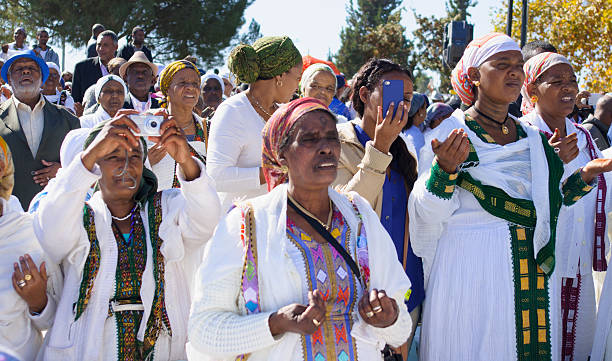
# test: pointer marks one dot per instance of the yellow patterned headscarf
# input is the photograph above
(7, 179)
(169, 72)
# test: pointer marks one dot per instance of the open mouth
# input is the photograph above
(328, 165)
(567, 99)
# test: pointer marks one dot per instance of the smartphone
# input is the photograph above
(393, 92)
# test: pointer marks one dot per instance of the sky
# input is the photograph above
(315, 27)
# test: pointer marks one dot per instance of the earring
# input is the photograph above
(279, 83)
(534, 99)
(476, 83)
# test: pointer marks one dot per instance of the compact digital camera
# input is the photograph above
(148, 124)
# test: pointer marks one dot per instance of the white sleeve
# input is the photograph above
(216, 328)
(226, 140)
(58, 222)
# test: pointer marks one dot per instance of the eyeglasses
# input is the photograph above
(327, 89)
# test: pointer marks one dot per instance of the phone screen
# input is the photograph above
(393, 92)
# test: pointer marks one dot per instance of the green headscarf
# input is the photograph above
(266, 58)
(148, 180)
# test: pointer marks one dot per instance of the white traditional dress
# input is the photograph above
(487, 257)
(20, 331)
(254, 265)
(580, 249)
(95, 318)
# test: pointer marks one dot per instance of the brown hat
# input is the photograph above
(138, 57)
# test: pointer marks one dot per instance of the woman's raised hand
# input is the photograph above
(594, 168)
(298, 318)
(30, 283)
(377, 309)
(118, 132)
(453, 151)
(389, 127)
(565, 147)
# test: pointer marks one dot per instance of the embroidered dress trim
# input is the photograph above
(201, 136)
(484, 136)
(92, 263)
(530, 299)
(570, 298)
(440, 183)
(574, 188)
(328, 272)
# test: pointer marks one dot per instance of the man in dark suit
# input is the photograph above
(140, 75)
(91, 44)
(33, 128)
(88, 71)
(128, 50)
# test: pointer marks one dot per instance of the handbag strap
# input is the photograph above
(328, 237)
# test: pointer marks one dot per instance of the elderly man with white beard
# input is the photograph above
(32, 127)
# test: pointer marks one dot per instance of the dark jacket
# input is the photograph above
(58, 122)
(127, 50)
(599, 132)
(86, 73)
(91, 48)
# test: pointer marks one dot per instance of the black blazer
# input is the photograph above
(128, 103)
(86, 73)
(128, 50)
(58, 122)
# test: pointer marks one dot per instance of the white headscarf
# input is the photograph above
(231, 78)
(207, 76)
(52, 65)
(105, 79)
(310, 72)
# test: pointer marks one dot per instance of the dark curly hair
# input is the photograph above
(369, 76)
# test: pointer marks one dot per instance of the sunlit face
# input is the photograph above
(42, 38)
(106, 47)
(501, 77)
(50, 86)
(312, 153)
(321, 86)
(556, 90)
(228, 87)
(25, 77)
(115, 185)
(112, 97)
(20, 37)
(184, 89)
(211, 93)
(139, 37)
(290, 81)
(139, 77)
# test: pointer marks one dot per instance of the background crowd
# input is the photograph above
(279, 214)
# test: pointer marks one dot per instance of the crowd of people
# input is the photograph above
(276, 213)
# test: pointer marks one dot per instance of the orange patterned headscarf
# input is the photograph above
(476, 53)
(276, 132)
(7, 179)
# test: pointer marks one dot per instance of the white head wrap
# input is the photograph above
(52, 65)
(105, 79)
(73, 145)
(207, 76)
(310, 72)
(230, 77)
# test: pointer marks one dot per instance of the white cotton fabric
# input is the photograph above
(32, 122)
(234, 150)
(19, 330)
(475, 55)
(105, 79)
(469, 311)
(189, 217)
(165, 168)
(207, 76)
(93, 119)
(219, 328)
(69, 104)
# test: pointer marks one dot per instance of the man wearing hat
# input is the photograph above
(32, 127)
(18, 45)
(139, 75)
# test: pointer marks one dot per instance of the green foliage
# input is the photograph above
(175, 28)
(429, 39)
(373, 30)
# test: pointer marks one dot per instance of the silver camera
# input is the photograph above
(148, 124)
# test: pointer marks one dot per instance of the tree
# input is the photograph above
(579, 29)
(429, 39)
(253, 33)
(8, 22)
(373, 30)
(175, 28)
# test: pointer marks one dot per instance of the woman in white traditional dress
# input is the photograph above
(549, 94)
(130, 252)
(28, 293)
(110, 92)
(180, 84)
(488, 258)
(291, 275)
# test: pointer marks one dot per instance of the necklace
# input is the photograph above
(259, 105)
(329, 216)
(503, 126)
(127, 216)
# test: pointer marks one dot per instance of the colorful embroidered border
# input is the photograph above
(440, 183)
(574, 188)
(92, 264)
(128, 347)
(361, 249)
(486, 137)
(599, 246)
(158, 317)
(570, 297)
(530, 299)
(250, 276)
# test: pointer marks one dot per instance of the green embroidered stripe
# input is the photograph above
(499, 203)
(574, 188)
(530, 299)
(440, 183)
(484, 136)
(92, 264)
